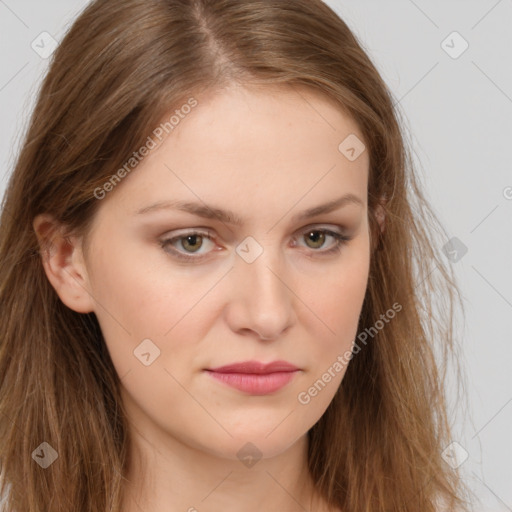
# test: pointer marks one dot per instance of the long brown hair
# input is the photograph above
(121, 67)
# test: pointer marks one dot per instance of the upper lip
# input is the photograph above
(256, 367)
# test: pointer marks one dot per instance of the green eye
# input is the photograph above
(193, 241)
(318, 241)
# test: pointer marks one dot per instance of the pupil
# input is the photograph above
(192, 237)
(313, 236)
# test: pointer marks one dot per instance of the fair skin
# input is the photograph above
(265, 155)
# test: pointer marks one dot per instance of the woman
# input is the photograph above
(216, 290)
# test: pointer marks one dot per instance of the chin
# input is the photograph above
(252, 444)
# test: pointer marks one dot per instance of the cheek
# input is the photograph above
(338, 300)
(139, 300)
(137, 291)
(339, 305)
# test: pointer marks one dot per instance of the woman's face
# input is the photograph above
(178, 293)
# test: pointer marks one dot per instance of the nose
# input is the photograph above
(262, 301)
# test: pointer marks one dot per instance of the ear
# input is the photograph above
(380, 214)
(63, 262)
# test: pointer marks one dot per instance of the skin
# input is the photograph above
(265, 154)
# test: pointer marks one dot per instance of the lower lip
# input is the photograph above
(255, 384)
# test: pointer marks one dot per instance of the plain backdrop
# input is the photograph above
(449, 66)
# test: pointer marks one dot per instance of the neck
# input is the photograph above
(171, 476)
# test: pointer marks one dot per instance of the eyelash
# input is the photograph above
(340, 241)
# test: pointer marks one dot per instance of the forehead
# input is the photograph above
(279, 117)
(252, 146)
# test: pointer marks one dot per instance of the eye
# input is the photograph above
(191, 242)
(318, 237)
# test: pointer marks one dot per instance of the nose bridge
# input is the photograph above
(264, 273)
(265, 294)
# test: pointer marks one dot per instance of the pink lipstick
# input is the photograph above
(254, 377)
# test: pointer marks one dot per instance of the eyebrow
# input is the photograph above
(228, 217)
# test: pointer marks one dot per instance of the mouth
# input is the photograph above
(255, 378)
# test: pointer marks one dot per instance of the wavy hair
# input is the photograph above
(123, 65)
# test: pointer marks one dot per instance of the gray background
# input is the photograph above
(459, 113)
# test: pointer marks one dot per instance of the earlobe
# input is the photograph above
(63, 264)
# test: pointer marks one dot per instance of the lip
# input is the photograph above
(255, 367)
(254, 377)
